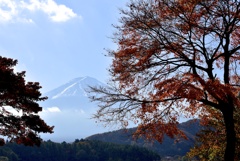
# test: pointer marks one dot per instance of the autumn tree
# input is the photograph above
(211, 141)
(174, 57)
(19, 119)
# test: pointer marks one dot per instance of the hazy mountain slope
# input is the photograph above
(69, 110)
(169, 147)
(72, 95)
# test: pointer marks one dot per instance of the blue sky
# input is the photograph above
(55, 41)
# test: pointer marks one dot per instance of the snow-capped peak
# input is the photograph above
(76, 87)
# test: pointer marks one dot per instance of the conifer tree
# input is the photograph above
(24, 125)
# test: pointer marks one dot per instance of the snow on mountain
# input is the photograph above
(69, 109)
(76, 87)
(72, 95)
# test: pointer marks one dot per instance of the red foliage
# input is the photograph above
(174, 57)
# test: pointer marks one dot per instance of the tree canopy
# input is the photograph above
(174, 57)
(80, 150)
(211, 142)
(19, 119)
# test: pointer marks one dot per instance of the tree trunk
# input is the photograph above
(230, 132)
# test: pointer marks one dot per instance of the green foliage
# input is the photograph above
(80, 150)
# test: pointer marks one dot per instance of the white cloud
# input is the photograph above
(57, 13)
(80, 111)
(15, 10)
(13, 111)
(52, 109)
(8, 9)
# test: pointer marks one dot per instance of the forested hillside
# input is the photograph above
(169, 146)
(80, 150)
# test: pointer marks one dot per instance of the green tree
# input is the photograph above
(23, 97)
(174, 57)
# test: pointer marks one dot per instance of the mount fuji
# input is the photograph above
(72, 95)
(69, 109)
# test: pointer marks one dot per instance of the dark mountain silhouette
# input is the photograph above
(169, 147)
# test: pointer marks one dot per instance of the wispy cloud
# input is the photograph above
(15, 10)
(52, 109)
(8, 10)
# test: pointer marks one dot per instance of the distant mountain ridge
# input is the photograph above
(169, 147)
